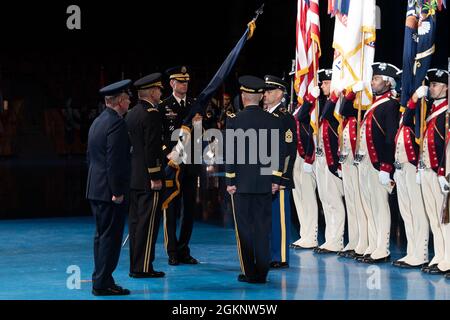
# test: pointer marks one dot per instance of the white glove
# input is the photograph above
(357, 87)
(340, 87)
(421, 91)
(339, 172)
(444, 184)
(197, 124)
(314, 91)
(307, 168)
(418, 178)
(384, 178)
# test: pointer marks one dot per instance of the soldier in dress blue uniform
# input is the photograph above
(375, 158)
(355, 208)
(250, 188)
(410, 201)
(281, 204)
(108, 183)
(145, 130)
(173, 111)
(305, 174)
(430, 168)
(330, 185)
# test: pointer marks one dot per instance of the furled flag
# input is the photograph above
(223, 71)
(409, 50)
(308, 37)
(355, 19)
(426, 31)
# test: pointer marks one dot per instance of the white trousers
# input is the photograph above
(356, 213)
(412, 210)
(331, 192)
(305, 204)
(376, 199)
(433, 199)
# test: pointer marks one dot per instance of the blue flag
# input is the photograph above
(409, 51)
(223, 72)
(425, 48)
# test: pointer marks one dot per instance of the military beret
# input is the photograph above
(325, 74)
(273, 83)
(178, 73)
(385, 69)
(149, 81)
(252, 84)
(116, 88)
(438, 75)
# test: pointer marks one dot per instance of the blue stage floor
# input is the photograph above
(35, 255)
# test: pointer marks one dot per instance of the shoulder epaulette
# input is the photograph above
(152, 109)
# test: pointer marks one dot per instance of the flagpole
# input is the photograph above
(422, 131)
(360, 95)
(316, 105)
(292, 75)
(446, 205)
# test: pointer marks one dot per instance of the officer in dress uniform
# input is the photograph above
(375, 158)
(145, 130)
(410, 202)
(281, 204)
(251, 183)
(356, 216)
(445, 189)
(430, 174)
(108, 182)
(304, 175)
(329, 183)
(173, 110)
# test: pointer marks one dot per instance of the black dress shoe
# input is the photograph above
(435, 270)
(244, 278)
(189, 260)
(360, 258)
(323, 250)
(151, 274)
(114, 290)
(173, 261)
(403, 264)
(427, 268)
(278, 265)
(380, 260)
(297, 247)
(346, 254)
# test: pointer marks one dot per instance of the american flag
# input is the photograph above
(308, 31)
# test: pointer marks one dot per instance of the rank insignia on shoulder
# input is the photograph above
(152, 109)
(288, 136)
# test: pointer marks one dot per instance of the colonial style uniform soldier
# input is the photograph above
(410, 201)
(145, 130)
(173, 110)
(108, 182)
(329, 183)
(375, 157)
(281, 204)
(355, 208)
(304, 175)
(430, 173)
(250, 187)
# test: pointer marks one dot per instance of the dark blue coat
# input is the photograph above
(247, 176)
(108, 157)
